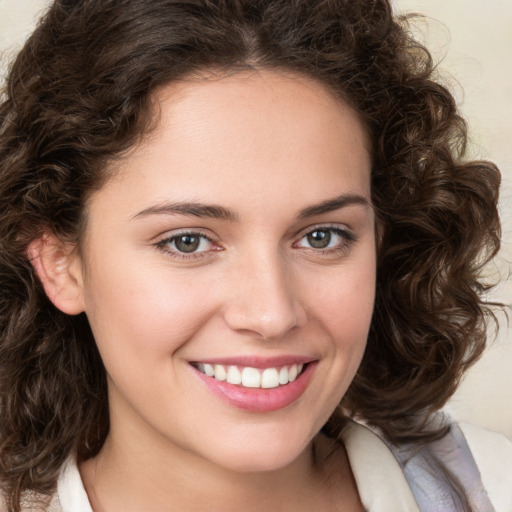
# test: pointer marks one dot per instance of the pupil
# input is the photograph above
(187, 243)
(319, 239)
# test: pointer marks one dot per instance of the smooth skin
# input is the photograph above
(241, 226)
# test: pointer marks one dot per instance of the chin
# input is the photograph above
(266, 454)
(260, 463)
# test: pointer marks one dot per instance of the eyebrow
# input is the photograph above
(220, 212)
(190, 209)
(334, 204)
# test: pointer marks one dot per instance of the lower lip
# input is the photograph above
(259, 399)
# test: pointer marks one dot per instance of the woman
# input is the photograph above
(227, 228)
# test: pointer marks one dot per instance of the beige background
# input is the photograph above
(473, 41)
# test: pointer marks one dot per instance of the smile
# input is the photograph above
(249, 377)
(255, 385)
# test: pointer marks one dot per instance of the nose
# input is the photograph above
(263, 299)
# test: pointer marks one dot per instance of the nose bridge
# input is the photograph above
(264, 299)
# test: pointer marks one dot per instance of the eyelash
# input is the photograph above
(346, 240)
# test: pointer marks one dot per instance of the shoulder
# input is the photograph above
(493, 455)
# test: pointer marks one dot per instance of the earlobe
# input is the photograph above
(58, 267)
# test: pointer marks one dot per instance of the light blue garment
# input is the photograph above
(431, 469)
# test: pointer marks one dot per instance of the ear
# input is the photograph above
(59, 268)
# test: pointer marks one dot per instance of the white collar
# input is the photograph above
(380, 481)
(70, 489)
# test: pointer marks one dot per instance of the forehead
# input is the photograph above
(252, 134)
(265, 102)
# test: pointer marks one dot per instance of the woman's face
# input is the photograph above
(238, 239)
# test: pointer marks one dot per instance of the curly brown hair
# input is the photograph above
(79, 95)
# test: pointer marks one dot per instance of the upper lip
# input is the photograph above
(257, 361)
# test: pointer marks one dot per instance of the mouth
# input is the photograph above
(250, 377)
(257, 386)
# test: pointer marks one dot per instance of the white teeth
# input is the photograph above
(220, 372)
(292, 373)
(251, 378)
(270, 378)
(234, 376)
(283, 375)
(208, 370)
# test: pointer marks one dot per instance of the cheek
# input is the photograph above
(344, 303)
(343, 306)
(148, 312)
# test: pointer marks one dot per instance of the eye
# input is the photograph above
(186, 244)
(323, 238)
